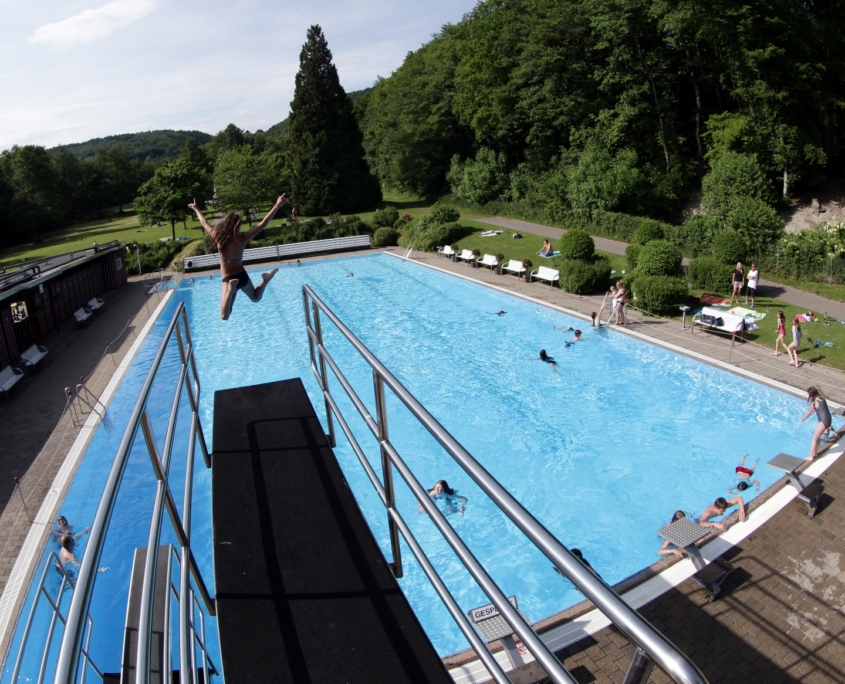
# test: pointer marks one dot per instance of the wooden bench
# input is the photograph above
(552, 275)
(280, 252)
(9, 377)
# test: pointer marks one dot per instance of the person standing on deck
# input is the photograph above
(230, 243)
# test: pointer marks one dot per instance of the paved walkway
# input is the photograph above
(791, 295)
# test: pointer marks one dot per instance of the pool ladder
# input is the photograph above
(651, 646)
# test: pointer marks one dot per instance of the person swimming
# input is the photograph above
(501, 312)
(68, 540)
(743, 477)
(455, 503)
(548, 359)
(575, 339)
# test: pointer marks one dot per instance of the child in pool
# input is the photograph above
(743, 477)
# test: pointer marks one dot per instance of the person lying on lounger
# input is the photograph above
(230, 243)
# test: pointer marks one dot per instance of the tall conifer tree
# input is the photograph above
(325, 152)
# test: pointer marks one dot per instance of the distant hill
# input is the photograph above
(152, 145)
(281, 128)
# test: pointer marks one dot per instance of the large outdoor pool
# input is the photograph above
(602, 451)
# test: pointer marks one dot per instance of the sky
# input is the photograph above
(72, 70)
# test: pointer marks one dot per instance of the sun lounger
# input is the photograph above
(552, 275)
(467, 256)
(33, 355)
(95, 303)
(446, 251)
(82, 314)
(9, 377)
(488, 260)
(515, 266)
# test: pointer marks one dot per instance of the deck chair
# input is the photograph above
(9, 377)
(467, 256)
(33, 355)
(446, 251)
(488, 260)
(515, 266)
(95, 304)
(82, 314)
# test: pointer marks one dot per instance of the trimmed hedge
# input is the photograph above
(632, 253)
(386, 236)
(710, 275)
(729, 247)
(577, 244)
(386, 217)
(697, 234)
(153, 255)
(659, 258)
(432, 236)
(582, 277)
(659, 294)
(649, 231)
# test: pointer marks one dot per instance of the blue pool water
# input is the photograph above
(601, 452)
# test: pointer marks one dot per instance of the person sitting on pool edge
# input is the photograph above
(442, 490)
(743, 477)
(719, 507)
(664, 550)
(230, 243)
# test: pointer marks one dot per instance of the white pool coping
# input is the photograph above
(594, 621)
(11, 599)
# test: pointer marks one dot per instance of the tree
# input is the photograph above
(733, 177)
(325, 154)
(34, 182)
(165, 197)
(481, 179)
(244, 179)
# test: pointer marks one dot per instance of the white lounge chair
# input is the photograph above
(515, 266)
(9, 377)
(33, 355)
(82, 314)
(446, 251)
(488, 260)
(95, 303)
(552, 275)
(466, 255)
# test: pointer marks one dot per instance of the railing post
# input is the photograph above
(387, 470)
(640, 668)
(324, 380)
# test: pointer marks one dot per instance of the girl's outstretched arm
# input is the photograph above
(261, 225)
(200, 216)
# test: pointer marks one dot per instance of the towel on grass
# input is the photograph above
(747, 313)
(549, 256)
(710, 300)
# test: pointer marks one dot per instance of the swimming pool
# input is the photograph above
(601, 452)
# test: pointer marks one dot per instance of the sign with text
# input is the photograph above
(488, 611)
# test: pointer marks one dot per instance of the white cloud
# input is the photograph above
(92, 23)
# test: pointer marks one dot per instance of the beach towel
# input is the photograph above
(490, 233)
(549, 256)
(747, 313)
(710, 300)
(819, 343)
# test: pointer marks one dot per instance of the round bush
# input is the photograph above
(386, 236)
(386, 217)
(710, 275)
(441, 213)
(659, 258)
(577, 244)
(697, 234)
(436, 236)
(659, 294)
(583, 277)
(632, 253)
(729, 247)
(649, 231)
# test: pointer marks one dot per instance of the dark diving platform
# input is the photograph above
(303, 592)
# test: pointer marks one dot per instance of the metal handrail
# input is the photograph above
(650, 642)
(71, 647)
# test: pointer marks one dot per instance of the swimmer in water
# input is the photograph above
(548, 359)
(499, 313)
(664, 550)
(443, 491)
(563, 328)
(230, 243)
(743, 477)
(575, 339)
(351, 275)
(68, 540)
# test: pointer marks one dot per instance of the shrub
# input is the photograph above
(648, 231)
(399, 224)
(577, 244)
(729, 247)
(441, 213)
(659, 293)
(386, 236)
(194, 248)
(697, 233)
(632, 253)
(733, 176)
(659, 258)
(709, 274)
(527, 263)
(310, 230)
(435, 236)
(582, 277)
(478, 180)
(756, 221)
(153, 255)
(386, 217)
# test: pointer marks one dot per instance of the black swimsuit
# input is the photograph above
(242, 278)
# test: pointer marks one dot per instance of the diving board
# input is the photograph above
(303, 592)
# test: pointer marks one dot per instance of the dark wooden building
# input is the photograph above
(38, 296)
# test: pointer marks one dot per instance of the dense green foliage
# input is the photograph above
(632, 254)
(659, 294)
(245, 179)
(730, 247)
(659, 258)
(582, 277)
(589, 106)
(153, 256)
(146, 146)
(710, 275)
(386, 236)
(281, 128)
(324, 152)
(649, 230)
(817, 254)
(577, 244)
(386, 217)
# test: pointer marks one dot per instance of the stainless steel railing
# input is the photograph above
(652, 646)
(71, 648)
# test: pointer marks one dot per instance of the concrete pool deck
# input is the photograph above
(781, 620)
